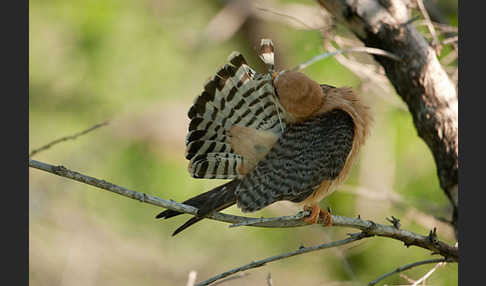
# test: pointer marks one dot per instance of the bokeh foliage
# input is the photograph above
(139, 64)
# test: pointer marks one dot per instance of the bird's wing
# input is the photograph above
(305, 155)
(236, 102)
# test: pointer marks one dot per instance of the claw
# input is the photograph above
(314, 215)
(317, 213)
(326, 216)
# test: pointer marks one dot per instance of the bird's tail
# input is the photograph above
(216, 199)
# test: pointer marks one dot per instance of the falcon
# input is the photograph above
(276, 136)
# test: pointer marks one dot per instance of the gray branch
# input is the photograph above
(254, 264)
(371, 51)
(66, 138)
(429, 242)
(406, 267)
(418, 78)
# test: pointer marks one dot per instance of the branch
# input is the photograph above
(254, 264)
(370, 228)
(231, 278)
(427, 275)
(418, 78)
(430, 26)
(269, 279)
(406, 267)
(371, 51)
(66, 138)
(192, 278)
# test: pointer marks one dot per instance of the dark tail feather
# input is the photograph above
(187, 224)
(216, 199)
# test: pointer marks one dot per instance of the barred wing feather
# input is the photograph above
(236, 95)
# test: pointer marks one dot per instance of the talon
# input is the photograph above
(326, 216)
(314, 215)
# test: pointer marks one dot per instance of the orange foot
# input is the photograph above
(317, 213)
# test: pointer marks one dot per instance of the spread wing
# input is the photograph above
(306, 154)
(235, 96)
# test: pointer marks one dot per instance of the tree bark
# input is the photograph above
(418, 78)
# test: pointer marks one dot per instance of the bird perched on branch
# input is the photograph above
(277, 136)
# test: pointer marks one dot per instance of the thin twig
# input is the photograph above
(241, 275)
(66, 138)
(408, 238)
(367, 50)
(368, 73)
(288, 16)
(297, 16)
(435, 41)
(191, 279)
(342, 256)
(449, 59)
(427, 275)
(409, 280)
(269, 279)
(450, 40)
(406, 267)
(254, 264)
(444, 28)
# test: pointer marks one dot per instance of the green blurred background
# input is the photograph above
(139, 64)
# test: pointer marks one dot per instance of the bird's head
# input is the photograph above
(300, 96)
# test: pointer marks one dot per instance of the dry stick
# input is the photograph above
(367, 50)
(450, 40)
(269, 279)
(254, 264)
(427, 275)
(409, 280)
(422, 9)
(288, 16)
(444, 28)
(191, 278)
(71, 137)
(299, 21)
(406, 267)
(429, 242)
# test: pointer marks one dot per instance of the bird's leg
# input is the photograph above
(326, 215)
(314, 215)
(317, 213)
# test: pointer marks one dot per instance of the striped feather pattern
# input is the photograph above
(295, 167)
(236, 95)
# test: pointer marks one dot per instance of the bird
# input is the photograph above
(277, 135)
